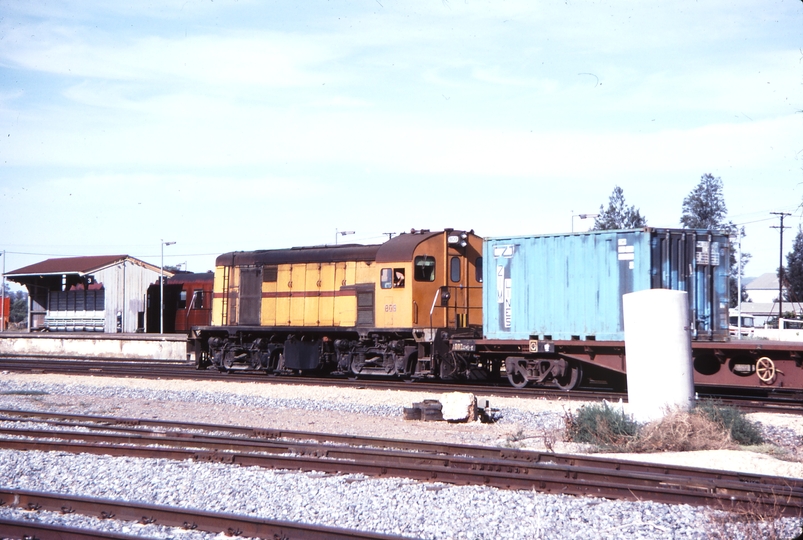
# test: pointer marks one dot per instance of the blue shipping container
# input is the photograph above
(570, 286)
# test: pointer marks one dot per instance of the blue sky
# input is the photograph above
(235, 124)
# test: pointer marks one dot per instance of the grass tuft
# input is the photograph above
(732, 420)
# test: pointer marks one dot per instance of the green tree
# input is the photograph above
(618, 215)
(793, 273)
(19, 307)
(704, 208)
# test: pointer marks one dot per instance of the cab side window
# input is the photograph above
(398, 278)
(478, 270)
(392, 278)
(424, 268)
(454, 269)
(386, 278)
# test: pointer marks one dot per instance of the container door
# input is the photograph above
(696, 262)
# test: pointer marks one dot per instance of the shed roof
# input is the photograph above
(768, 281)
(767, 308)
(76, 265)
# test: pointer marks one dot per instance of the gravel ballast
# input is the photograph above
(384, 505)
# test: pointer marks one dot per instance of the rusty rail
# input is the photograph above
(456, 464)
(789, 401)
(170, 516)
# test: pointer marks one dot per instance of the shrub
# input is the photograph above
(733, 421)
(601, 425)
(680, 431)
(710, 426)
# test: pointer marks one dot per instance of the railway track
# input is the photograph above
(503, 468)
(147, 514)
(781, 402)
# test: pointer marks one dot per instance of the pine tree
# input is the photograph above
(618, 215)
(793, 273)
(704, 208)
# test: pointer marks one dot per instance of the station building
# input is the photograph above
(104, 293)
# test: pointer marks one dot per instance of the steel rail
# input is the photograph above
(785, 402)
(170, 516)
(30, 530)
(279, 441)
(184, 432)
(547, 476)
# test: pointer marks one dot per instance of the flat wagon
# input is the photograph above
(553, 307)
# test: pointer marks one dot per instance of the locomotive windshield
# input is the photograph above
(424, 268)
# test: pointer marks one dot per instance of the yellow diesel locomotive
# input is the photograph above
(387, 309)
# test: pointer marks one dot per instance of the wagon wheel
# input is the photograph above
(765, 369)
(355, 368)
(228, 362)
(517, 374)
(571, 377)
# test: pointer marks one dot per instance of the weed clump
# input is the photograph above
(680, 431)
(708, 426)
(600, 425)
(733, 421)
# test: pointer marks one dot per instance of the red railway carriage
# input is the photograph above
(187, 303)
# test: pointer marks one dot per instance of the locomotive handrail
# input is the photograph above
(432, 309)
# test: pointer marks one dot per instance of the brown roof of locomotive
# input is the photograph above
(317, 254)
(397, 249)
(402, 247)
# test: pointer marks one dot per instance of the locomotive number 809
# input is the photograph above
(386, 309)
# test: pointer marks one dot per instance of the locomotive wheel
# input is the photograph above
(449, 366)
(765, 369)
(201, 360)
(517, 375)
(228, 362)
(571, 377)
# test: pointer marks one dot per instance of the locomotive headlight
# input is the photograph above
(457, 239)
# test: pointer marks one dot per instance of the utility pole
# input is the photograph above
(781, 215)
(3, 295)
(162, 287)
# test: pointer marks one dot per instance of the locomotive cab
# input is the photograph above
(430, 280)
(431, 283)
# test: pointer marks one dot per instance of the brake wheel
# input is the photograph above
(765, 369)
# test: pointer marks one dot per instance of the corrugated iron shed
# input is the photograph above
(103, 293)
